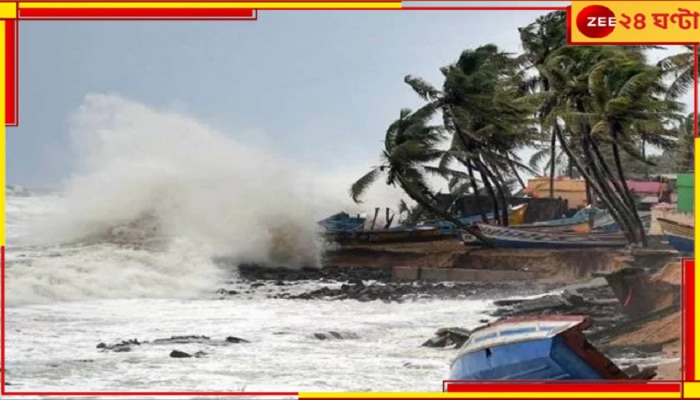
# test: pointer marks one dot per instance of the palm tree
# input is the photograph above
(681, 68)
(685, 148)
(540, 40)
(409, 144)
(568, 71)
(627, 107)
(484, 110)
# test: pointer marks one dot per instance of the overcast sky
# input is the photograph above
(319, 87)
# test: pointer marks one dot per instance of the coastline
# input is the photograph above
(566, 282)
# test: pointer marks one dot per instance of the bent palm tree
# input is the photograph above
(681, 68)
(409, 144)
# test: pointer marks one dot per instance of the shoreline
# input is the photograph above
(649, 340)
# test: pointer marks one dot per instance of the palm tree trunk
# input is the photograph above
(498, 183)
(553, 164)
(607, 195)
(620, 186)
(628, 195)
(584, 173)
(517, 175)
(477, 196)
(489, 189)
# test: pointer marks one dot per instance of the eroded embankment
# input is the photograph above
(452, 261)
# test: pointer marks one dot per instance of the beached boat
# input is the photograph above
(582, 216)
(533, 239)
(533, 348)
(343, 222)
(680, 236)
(516, 216)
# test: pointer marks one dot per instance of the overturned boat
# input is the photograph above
(535, 348)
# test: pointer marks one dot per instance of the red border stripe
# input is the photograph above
(689, 320)
(11, 47)
(134, 13)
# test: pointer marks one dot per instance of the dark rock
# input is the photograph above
(179, 354)
(198, 354)
(182, 339)
(119, 347)
(233, 339)
(334, 335)
(445, 337)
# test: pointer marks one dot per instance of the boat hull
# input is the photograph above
(551, 348)
(511, 238)
(679, 236)
(543, 359)
(680, 243)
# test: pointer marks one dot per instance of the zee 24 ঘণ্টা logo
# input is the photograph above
(597, 22)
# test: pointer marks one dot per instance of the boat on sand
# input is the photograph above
(535, 348)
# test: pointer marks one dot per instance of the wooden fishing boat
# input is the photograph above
(581, 227)
(533, 239)
(535, 348)
(680, 236)
(516, 216)
(342, 222)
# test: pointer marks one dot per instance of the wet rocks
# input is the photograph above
(183, 339)
(398, 292)
(445, 337)
(182, 354)
(334, 335)
(233, 339)
(127, 345)
(119, 347)
(256, 272)
(179, 354)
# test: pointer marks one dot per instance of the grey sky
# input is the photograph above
(319, 87)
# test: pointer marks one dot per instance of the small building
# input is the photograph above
(686, 193)
(571, 190)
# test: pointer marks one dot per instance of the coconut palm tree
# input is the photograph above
(626, 107)
(483, 108)
(685, 148)
(540, 40)
(681, 68)
(409, 144)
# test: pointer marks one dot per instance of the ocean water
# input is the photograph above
(65, 299)
(123, 249)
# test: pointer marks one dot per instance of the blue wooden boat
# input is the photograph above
(680, 236)
(533, 348)
(449, 229)
(342, 222)
(512, 238)
(606, 223)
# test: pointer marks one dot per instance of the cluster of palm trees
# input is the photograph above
(592, 106)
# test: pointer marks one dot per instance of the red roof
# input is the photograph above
(645, 187)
